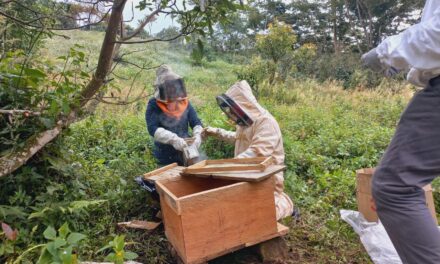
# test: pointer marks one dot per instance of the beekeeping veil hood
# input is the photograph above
(240, 104)
(169, 86)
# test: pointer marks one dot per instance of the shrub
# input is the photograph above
(256, 73)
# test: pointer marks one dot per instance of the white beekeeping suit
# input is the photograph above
(416, 49)
(261, 139)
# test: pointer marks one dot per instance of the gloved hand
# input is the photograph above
(167, 137)
(371, 60)
(220, 133)
(197, 134)
(179, 144)
(210, 131)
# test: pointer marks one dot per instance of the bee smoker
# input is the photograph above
(191, 153)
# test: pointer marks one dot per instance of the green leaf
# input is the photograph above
(66, 107)
(104, 248)
(100, 161)
(130, 255)
(110, 257)
(14, 211)
(84, 74)
(82, 204)
(45, 257)
(64, 230)
(50, 233)
(59, 242)
(48, 123)
(34, 73)
(119, 243)
(40, 214)
(66, 255)
(75, 238)
(51, 248)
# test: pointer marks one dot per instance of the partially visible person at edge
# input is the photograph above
(257, 135)
(412, 160)
(169, 115)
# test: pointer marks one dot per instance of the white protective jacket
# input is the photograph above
(416, 49)
(262, 138)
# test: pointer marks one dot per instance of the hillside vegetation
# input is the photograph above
(328, 131)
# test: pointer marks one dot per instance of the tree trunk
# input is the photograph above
(335, 31)
(9, 163)
(106, 55)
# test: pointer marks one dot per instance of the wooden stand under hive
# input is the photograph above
(209, 216)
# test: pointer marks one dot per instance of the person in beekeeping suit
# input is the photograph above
(257, 135)
(412, 159)
(169, 116)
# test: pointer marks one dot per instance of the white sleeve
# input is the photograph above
(418, 46)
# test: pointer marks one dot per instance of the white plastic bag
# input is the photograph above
(374, 238)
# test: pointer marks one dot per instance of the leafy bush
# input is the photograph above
(277, 43)
(35, 87)
(197, 53)
(119, 253)
(256, 73)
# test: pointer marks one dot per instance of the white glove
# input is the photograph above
(197, 135)
(167, 137)
(220, 133)
(371, 60)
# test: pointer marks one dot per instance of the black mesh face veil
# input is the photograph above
(233, 110)
(172, 90)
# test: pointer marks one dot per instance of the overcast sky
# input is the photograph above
(160, 23)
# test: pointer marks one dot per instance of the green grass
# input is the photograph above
(328, 134)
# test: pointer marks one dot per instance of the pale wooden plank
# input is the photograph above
(167, 197)
(281, 231)
(168, 171)
(217, 221)
(248, 176)
(247, 164)
(236, 160)
(160, 170)
(173, 227)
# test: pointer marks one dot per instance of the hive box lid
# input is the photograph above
(247, 176)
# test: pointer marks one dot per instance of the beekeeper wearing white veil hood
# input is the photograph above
(257, 135)
(412, 159)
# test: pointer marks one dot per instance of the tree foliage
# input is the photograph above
(277, 43)
(66, 97)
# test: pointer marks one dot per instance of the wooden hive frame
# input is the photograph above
(223, 165)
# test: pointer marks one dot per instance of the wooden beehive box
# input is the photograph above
(365, 199)
(205, 218)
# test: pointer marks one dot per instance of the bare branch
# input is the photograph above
(29, 23)
(140, 97)
(118, 76)
(138, 66)
(21, 112)
(155, 39)
(142, 24)
(10, 163)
